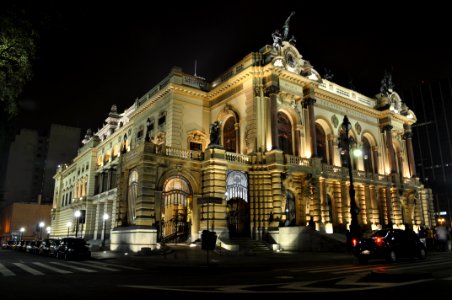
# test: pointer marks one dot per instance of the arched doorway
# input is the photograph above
(238, 217)
(238, 208)
(176, 213)
(290, 210)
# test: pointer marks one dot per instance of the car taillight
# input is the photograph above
(354, 242)
(379, 241)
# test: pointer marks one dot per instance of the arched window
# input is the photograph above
(321, 142)
(132, 196)
(284, 133)
(367, 156)
(229, 135)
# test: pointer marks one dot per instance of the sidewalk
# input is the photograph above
(183, 256)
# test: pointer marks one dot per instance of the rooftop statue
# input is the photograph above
(278, 38)
(387, 85)
(286, 27)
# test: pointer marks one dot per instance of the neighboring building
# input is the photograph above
(253, 153)
(27, 216)
(25, 166)
(33, 159)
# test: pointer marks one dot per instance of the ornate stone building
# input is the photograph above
(162, 172)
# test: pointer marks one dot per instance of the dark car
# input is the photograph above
(73, 248)
(48, 247)
(389, 244)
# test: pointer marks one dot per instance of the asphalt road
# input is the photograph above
(185, 272)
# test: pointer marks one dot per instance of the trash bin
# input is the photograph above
(208, 240)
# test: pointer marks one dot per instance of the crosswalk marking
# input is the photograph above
(74, 267)
(96, 266)
(5, 271)
(52, 268)
(28, 269)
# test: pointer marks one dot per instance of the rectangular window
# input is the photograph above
(162, 119)
(195, 146)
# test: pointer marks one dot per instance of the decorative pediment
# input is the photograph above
(197, 137)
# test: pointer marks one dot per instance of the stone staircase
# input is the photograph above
(250, 246)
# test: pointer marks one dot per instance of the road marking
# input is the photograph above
(95, 266)
(28, 269)
(74, 267)
(114, 265)
(5, 271)
(52, 268)
(279, 288)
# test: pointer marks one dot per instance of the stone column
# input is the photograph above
(274, 119)
(409, 148)
(309, 104)
(237, 137)
(331, 149)
(375, 159)
(361, 199)
(213, 204)
(338, 202)
(390, 147)
(297, 140)
(96, 222)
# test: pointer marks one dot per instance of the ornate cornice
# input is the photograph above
(229, 84)
(347, 103)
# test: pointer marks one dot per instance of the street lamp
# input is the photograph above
(41, 225)
(105, 217)
(344, 143)
(77, 215)
(69, 225)
(22, 230)
(48, 231)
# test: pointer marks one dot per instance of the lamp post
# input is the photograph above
(22, 230)
(69, 225)
(77, 215)
(105, 218)
(41, 225)
(344, 143)
(48, 229)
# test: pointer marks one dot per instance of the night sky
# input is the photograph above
(96, 55)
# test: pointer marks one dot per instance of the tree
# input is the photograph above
(17, 50)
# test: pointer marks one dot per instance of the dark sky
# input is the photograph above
(96, 55)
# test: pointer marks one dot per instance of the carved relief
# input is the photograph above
(358, 128)
(160, 138)
(334, 120)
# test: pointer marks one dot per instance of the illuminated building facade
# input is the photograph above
(162, 171)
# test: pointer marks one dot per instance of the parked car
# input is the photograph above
(49, 247)
(73, 248)
(389, 244)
